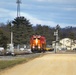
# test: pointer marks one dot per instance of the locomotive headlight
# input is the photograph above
(33, 46)
(39, 47)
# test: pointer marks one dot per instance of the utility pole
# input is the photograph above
(11, 37)
(57, 38)
(18, 7)
(56, 35)
(11, 45)
(12, 50)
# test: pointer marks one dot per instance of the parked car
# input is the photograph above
(22, 49)
(2, 51)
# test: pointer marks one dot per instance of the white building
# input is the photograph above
(65, 43)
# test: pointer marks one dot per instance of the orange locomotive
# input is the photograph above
(38, 43)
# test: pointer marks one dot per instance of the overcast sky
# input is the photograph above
(45, 12)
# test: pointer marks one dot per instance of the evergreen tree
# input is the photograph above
(22, 30)
(3, 40)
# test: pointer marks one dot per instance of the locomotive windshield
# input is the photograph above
(36, 38)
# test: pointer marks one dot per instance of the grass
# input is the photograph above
(10, 63)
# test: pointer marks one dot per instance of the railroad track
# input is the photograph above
(10, 57)
(30, 55)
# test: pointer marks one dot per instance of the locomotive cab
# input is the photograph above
(37, 43)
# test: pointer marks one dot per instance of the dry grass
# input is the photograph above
(10, 63)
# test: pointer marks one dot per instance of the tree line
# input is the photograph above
(23, 30)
